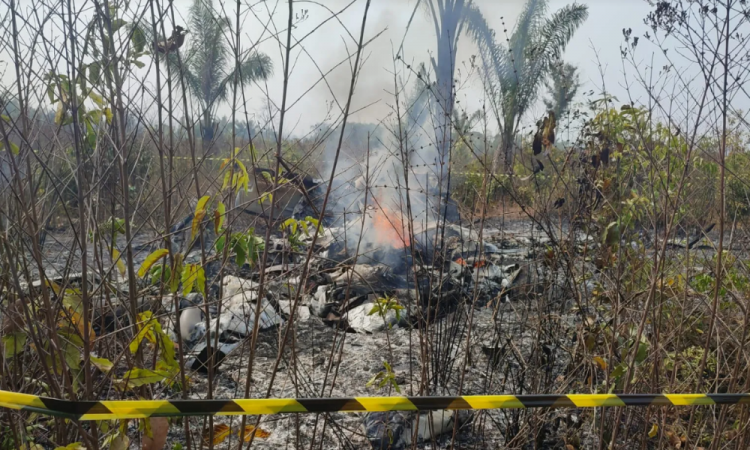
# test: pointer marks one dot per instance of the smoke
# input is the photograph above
(374, 199)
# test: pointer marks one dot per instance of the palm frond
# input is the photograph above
(494, 57)
(257, 66)
(208, 54)
(563, 84)
(527, 26)
(559, 29)
(545, 49)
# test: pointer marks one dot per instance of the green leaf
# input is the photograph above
(220, 244)
(59, 114)
(150, 260)
(267, 196)
(118, 261)
(374, 378)
(612, 234)
(200, 213)
(134, 378)
(117, 24)
(108, 115)
(117, 441)
(138, 38)
(96, 117)
(72, 355)
(244, 179)
(94, 72)
(51, 90)
(138, 64)
(72, 300)
(102, 364)
(201, 280)
(219, 213)
(97, 99)
(188, 279)
(69, 335)
(201, 206)
(255, 246)
(174, 281)
(313, 221)
(240, 251)
(73, 446)
(225, 184)
(145, 330)
(13, 344)
(13, 147)
(290, 223)
(159, 272)
(642, 352)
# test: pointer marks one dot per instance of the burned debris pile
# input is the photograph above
(374, 276)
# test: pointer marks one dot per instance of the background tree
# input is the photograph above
(563, 84)
(514, 72)
(448, 17)
(208, 70)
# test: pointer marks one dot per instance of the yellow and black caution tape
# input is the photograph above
(136, 409)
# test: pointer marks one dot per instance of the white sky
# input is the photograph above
(601, 33)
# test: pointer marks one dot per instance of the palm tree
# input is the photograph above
(208, 70)
(514, 72)
(448, 17)
(563, 84)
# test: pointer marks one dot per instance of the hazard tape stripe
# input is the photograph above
(135, 409)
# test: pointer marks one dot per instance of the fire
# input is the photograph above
(389, 230)
(477, 264)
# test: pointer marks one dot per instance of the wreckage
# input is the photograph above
(390, 279)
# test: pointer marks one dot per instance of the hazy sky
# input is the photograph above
(328, 45)
(602, 34)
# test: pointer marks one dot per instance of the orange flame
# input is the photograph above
(477, 264)
(388, 229)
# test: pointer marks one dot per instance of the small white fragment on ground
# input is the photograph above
(191, 320)
(235, 285)
(238, 315)
(302, 313)
(428, 425)
(361, 321)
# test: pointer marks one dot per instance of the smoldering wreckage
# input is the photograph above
(372, 281)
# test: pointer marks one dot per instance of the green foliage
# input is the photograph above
(151, 260)
(236, 176)
(563, 84)
(689, 361)
(13, 344)
(517, 70)
(385, 304)
(109, 229)
(295, 228)
(150, 333)
(193, 276)
(246, 246)
(737, 187)
(468, 186)
(198, 215)
(211, 70)
(385, 377)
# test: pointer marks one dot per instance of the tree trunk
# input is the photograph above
(207, 131)
(445, 94)
(504, 154)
